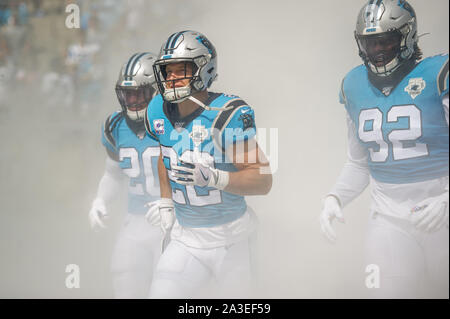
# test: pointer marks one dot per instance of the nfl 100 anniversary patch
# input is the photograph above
(158, 125)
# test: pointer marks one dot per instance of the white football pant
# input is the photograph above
(135, 255)
(412, 264)
(186, 272)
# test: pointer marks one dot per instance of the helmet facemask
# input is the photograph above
(134, 100)
(382, 52)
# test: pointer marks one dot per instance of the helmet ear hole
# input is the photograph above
(405, 53)
(198, 85)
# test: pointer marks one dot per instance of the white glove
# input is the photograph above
(98, 214)
(331, 210)
(431, 214)
(200, 174)
(161, 212)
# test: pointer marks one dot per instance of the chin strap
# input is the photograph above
(207, 107)
(392, 80)
(388, 68)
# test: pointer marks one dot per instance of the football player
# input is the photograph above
(132, 156)
(209, 161)
(397, 117)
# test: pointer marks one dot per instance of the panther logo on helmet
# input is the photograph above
(208, 45)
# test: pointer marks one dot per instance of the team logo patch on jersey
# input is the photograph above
(247, 121)
(415, 87)
(199, 134)
(159, 126)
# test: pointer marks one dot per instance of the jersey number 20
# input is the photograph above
(134, 171)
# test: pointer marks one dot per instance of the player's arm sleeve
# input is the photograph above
(148, 126)
(111, 181)
(354, 176)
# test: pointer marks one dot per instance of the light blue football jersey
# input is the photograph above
(405, 133)
(138, 157)
(209, 132)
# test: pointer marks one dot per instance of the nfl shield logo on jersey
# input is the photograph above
(415, 87)
(159, 126)
(141, 135)
(199, 134)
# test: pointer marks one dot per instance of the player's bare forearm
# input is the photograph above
(250, 181)
(164, 184)
(253, 176)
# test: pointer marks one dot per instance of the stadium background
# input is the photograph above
(285, 58)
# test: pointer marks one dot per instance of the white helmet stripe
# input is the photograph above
(174, 41)
(168, 41)
(128, 65)
(130, 71)
(373, 13)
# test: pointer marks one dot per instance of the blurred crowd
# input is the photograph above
(45, 63)
(53, 65)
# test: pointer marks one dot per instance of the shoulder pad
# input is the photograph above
(442, 78)
(224, 116)
(240, 118)
(109, 126)
(342, 97)
(148, 127)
